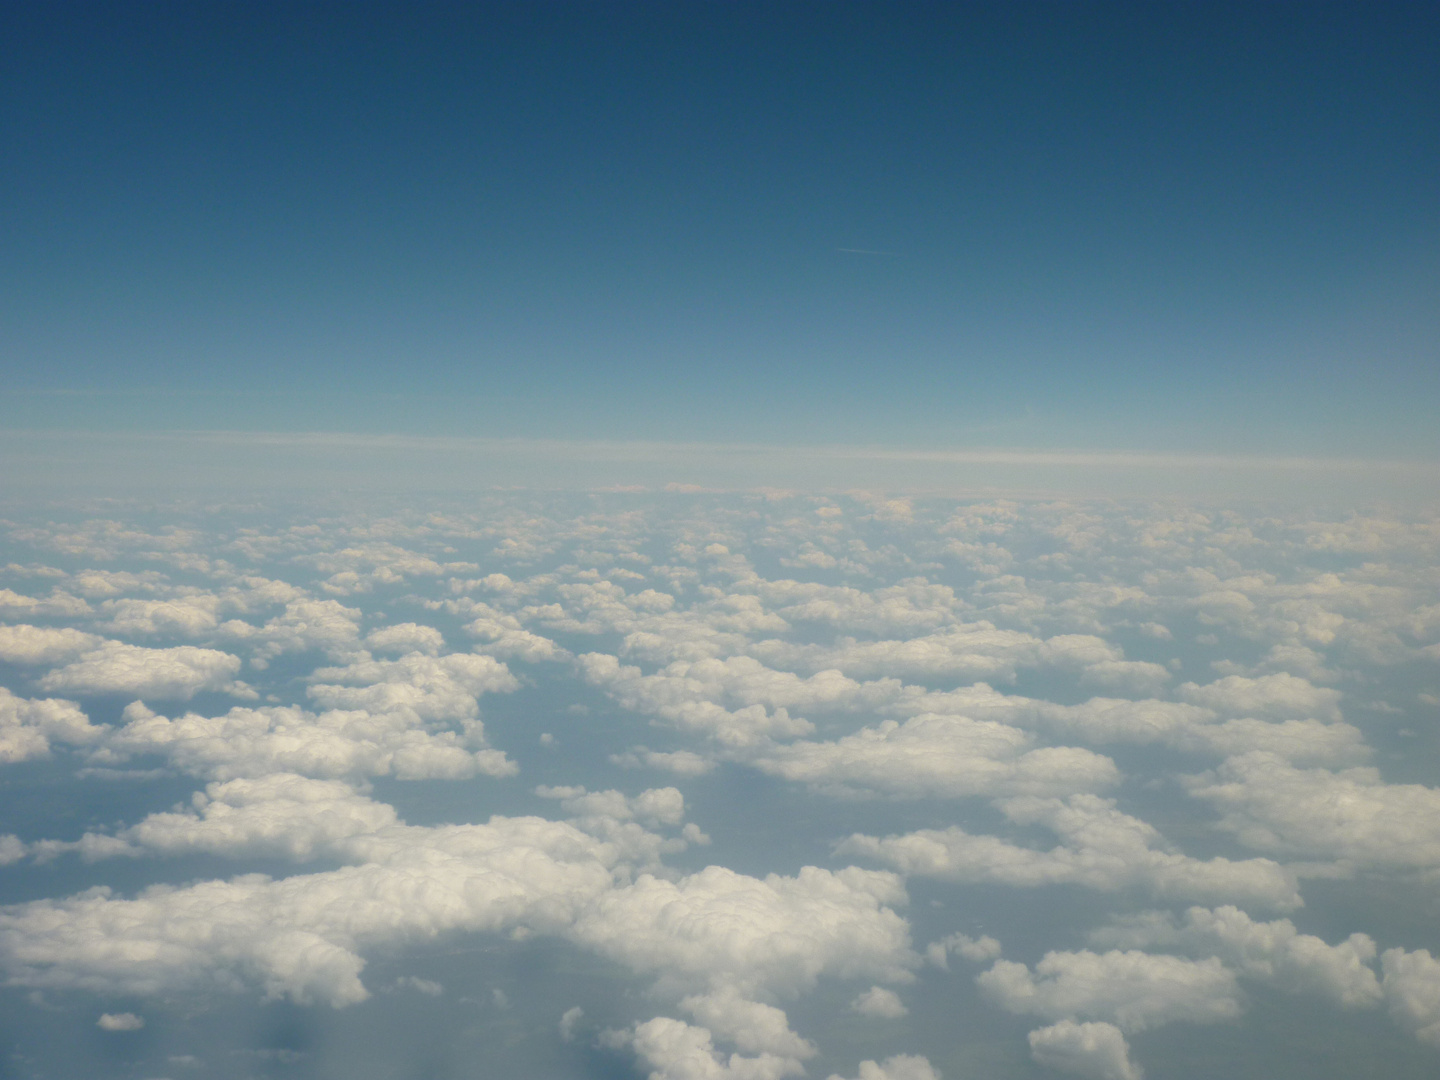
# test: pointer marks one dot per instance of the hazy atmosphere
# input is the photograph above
(698, 541)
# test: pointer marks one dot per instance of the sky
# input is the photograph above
(719, 541)
(1154, 228)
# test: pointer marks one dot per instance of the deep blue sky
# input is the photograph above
(1141, 226)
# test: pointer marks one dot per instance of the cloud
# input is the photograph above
(680, 762)
(117, 668)
(1351, 817)
(977, 950)
(120, 1022)
(879, 1002)
(1095, 1050)
(301, 936)
(570, 1022)
(333, 744)
(1279, 696)
(406, 638)
(28, 726)
(419, 687)
(279, 815)
(946, 756)
(326, 625)
(675, 1050)
(24, 644)
(775, 935)
(1412, 992)
(13, 604)
(899, 1067)
(1102, 849)
(1271, 952)
(1133, 990)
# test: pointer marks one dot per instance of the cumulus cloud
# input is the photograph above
(977, 950)
(117, 668)
(1279, 696)
(879, 1002)
(1102, 849)
(28, 726)
(24, 644)
(301, 936)
(332, 744)
(406, 638)
(899, 1067)
(1131, 989)
(674, 1050)
(120, 1022)
(688, 695)
(1270, 952)
(420, 687)
(1412, 992)
(946, 756)
(1094, 1050)
(1351, 817)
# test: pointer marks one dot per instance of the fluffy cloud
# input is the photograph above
(946, 756)
(879, 1002)
(1133, 990)
(1352, 816)
(420, 687)
(24, 644)
(1103, 849)
(899, 1067)
(117, 668)
(1094, 1050)
(120, 1022)
(1412, 991)
(775, 935)
(405, 638)
(336, 743)
(674, 1050)
(28, 726)
(1279, 696)
(977, 950)
(300, 936)
(1271, 952)
(283, 814)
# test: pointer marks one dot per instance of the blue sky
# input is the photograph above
(1150, 227)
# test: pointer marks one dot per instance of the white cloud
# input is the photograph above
(1094, 1050)
(337, 743)
(776, 935)
(570, 1023)
(879, 1002)
(675, 1050)
(120, 1022)
(1271, 952)
(1133, 990)
(679, 762)
(13, 604)
(899, 1067)
(1102, 849)
(300, 936)
(117, 668)
(947, 756)
(977, 950)
(1279, 696)
(28, 726)
(405, 638)
(419, 687)
(1412, 991)
(1351, 817)
(326, 625)
(24, 644)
